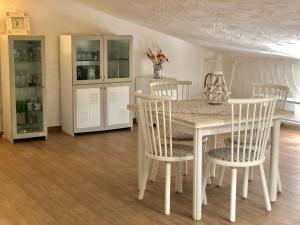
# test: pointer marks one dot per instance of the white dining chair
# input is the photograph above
(177, 90)
(261, 90)
(255, 117)
(155, 116)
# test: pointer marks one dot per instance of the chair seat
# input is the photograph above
(182, 150)
(227, 140)
(181, 136)
(225, 154)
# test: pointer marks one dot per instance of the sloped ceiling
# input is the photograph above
(266, 26)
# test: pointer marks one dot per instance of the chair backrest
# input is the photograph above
(251, 121)
(263, 90)
(155, 116)
(178, 90)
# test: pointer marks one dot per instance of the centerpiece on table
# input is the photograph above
(158, 59)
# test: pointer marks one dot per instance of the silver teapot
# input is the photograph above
(215, 88)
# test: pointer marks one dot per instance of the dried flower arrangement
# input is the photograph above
(158, 60)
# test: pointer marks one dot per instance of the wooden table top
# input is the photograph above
(202, 121)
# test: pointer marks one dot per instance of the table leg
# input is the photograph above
(141, 156)
(197, 178)
(213, 166)
(274, 160)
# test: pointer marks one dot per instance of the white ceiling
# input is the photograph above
(269, 26)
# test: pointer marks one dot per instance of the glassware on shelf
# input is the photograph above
(28, 83)
(88, 72)
(30, 52)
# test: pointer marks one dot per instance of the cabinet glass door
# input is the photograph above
(87, 60)
(118, 59)
(28, 85)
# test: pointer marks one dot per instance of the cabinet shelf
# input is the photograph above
(27, 62)
(21, 87)
(24, 86)
(87, 60)
(88, 63)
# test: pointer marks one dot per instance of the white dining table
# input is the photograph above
(202, 125)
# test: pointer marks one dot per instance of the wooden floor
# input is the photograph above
(92, 179)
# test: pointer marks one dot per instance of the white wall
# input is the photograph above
(265, 69)
(53, 17)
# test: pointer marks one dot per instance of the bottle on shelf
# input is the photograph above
(30, 52)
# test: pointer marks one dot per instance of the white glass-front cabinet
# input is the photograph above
(87, 59)
(117, 58)
(23, 92)
(96, 83)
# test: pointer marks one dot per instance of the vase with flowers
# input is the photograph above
(158, 59)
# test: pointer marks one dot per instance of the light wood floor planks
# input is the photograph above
(92, 179)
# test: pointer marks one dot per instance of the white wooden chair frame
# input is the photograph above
(263, 90)
(177, 90)
(248, 151)
(155, 116)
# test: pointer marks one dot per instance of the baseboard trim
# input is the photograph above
(54, 129)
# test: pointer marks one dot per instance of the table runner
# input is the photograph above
(200, 107)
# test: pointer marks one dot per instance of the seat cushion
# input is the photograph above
(178, 150)
(225, 154)
(182, 150)
(227, 140)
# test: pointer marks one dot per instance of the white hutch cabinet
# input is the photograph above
(23, 86)
(96, 83)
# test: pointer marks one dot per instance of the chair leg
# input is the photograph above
(213, 170)
(208, 178)
(178, 178)
(184, 168)
(205, 161)
(153, 170)
(205, 179)
(265, 188)
(251, 173)
(233, 195)
(279, 184)
(168, 188)
(245, 183)
(220, 176)
(144, 182)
